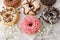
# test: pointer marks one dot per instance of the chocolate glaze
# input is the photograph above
(31, 5)
(48, 2)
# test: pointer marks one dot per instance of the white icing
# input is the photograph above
(35, 3)
(26, 8)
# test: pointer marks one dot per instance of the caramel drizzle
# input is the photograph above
(32, 6)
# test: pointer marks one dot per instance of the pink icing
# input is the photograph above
(30, 25)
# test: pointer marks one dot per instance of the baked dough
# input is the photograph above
(9, 16)
(30, 7)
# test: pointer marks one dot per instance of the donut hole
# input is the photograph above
(51, 14)
(7, 15)
(51, 18)
(30, 24)
(30, 5)
(7, 18)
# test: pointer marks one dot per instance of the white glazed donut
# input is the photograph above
(30, 7)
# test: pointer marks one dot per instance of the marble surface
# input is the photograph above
(14, 32)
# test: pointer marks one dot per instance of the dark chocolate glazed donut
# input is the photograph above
(12, 3)
(48, 2)
(50, 15)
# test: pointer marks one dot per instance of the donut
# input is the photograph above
(50, 15)
(12, 3)
(30, 25)
(48, 2)
(9, 16)
(30, 7)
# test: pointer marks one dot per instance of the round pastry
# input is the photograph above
(30, 25)
(50, 15)
(9, 16)
(30, 7)
(12, 3)
(48, 2)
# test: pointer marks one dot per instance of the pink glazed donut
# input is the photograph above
(30, 25)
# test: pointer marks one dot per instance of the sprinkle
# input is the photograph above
(18, 8)
(2, 6)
